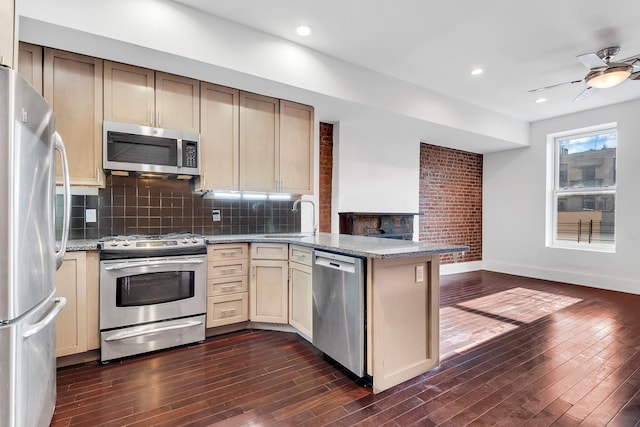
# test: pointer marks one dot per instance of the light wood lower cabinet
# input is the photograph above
(227, 284)
(300, 296)
(268, 284)
(77, 328)
(403, 319)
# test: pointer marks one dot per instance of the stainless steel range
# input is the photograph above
(152, 293)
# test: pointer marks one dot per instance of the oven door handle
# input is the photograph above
(161, 263)
(143, 331)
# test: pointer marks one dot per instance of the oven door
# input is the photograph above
(143, 290)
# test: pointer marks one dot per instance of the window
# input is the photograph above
(583, 189)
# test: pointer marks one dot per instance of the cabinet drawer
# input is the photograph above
(228, 251)
(278, 251)
(218, 269)
(301, 254)
(227, 309)
(231, 285)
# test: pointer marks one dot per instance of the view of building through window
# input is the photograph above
(585, 187)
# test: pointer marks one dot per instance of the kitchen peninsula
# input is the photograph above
(402, 298)
(401, 294)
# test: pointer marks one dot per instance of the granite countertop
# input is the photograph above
(370, 247)
(81, 245)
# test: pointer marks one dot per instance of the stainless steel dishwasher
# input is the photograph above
(339, 310)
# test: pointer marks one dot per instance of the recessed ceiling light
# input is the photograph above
(541, 100)
(304, 30)
(477, 71)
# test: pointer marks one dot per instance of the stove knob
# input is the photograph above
(185, 241)
(126, 243)
(114, 243)
(194, 240)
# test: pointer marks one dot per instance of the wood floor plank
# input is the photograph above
(514, 351)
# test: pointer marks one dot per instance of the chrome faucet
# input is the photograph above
(295, 209)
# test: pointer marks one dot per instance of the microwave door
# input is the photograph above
(141, 152)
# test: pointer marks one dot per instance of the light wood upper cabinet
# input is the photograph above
(8, 36)
(73, 87)
(129, 94)
(259, 136)
(150, 98)
(219, 140)
(296, 148)
(177, 102)
(30, 65)
(276, 145)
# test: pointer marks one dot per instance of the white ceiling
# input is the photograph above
(521, 45)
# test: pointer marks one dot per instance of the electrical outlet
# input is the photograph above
(419, 273)
(215, 215)
(90, 215)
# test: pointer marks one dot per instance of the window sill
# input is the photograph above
(590, 247)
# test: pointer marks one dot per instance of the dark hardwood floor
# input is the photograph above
(514, 352)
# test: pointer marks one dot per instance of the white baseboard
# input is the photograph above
(460, 267)
(611, 283)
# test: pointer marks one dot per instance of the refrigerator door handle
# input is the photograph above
(60, 302)
(59, 146)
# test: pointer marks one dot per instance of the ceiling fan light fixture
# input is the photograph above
(611, 76)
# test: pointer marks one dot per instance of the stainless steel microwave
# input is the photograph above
(129, 147)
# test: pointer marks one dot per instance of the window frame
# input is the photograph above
(554, 190)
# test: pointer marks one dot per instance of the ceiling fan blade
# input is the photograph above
(588, 91)
(592, 61)
(556, 85)
(634, 76)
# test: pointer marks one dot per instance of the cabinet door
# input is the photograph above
(296, 148)
(177, 102)
(73, 87)
(129, 94)
(219, 143)
(300, 303)
(30, 65)
(8, 36)
(93, 300)
(259, 136)
(71, 324)
(268, 291)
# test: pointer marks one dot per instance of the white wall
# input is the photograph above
(378, 169)
(171, 37)
(514, 208)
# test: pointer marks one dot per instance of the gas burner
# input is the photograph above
(140, 245)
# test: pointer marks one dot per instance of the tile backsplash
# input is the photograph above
(132, 205)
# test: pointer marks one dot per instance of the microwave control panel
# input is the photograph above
(189, 154)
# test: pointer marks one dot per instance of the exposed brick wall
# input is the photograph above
(451, 199)
(326, 174)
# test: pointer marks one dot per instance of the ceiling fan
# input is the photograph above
(603, 73)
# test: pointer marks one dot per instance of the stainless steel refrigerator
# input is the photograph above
(28, 254)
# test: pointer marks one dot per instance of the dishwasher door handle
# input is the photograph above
(347, 267)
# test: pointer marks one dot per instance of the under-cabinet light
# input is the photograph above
(254, 196)
(279, 196)
(226, 195)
